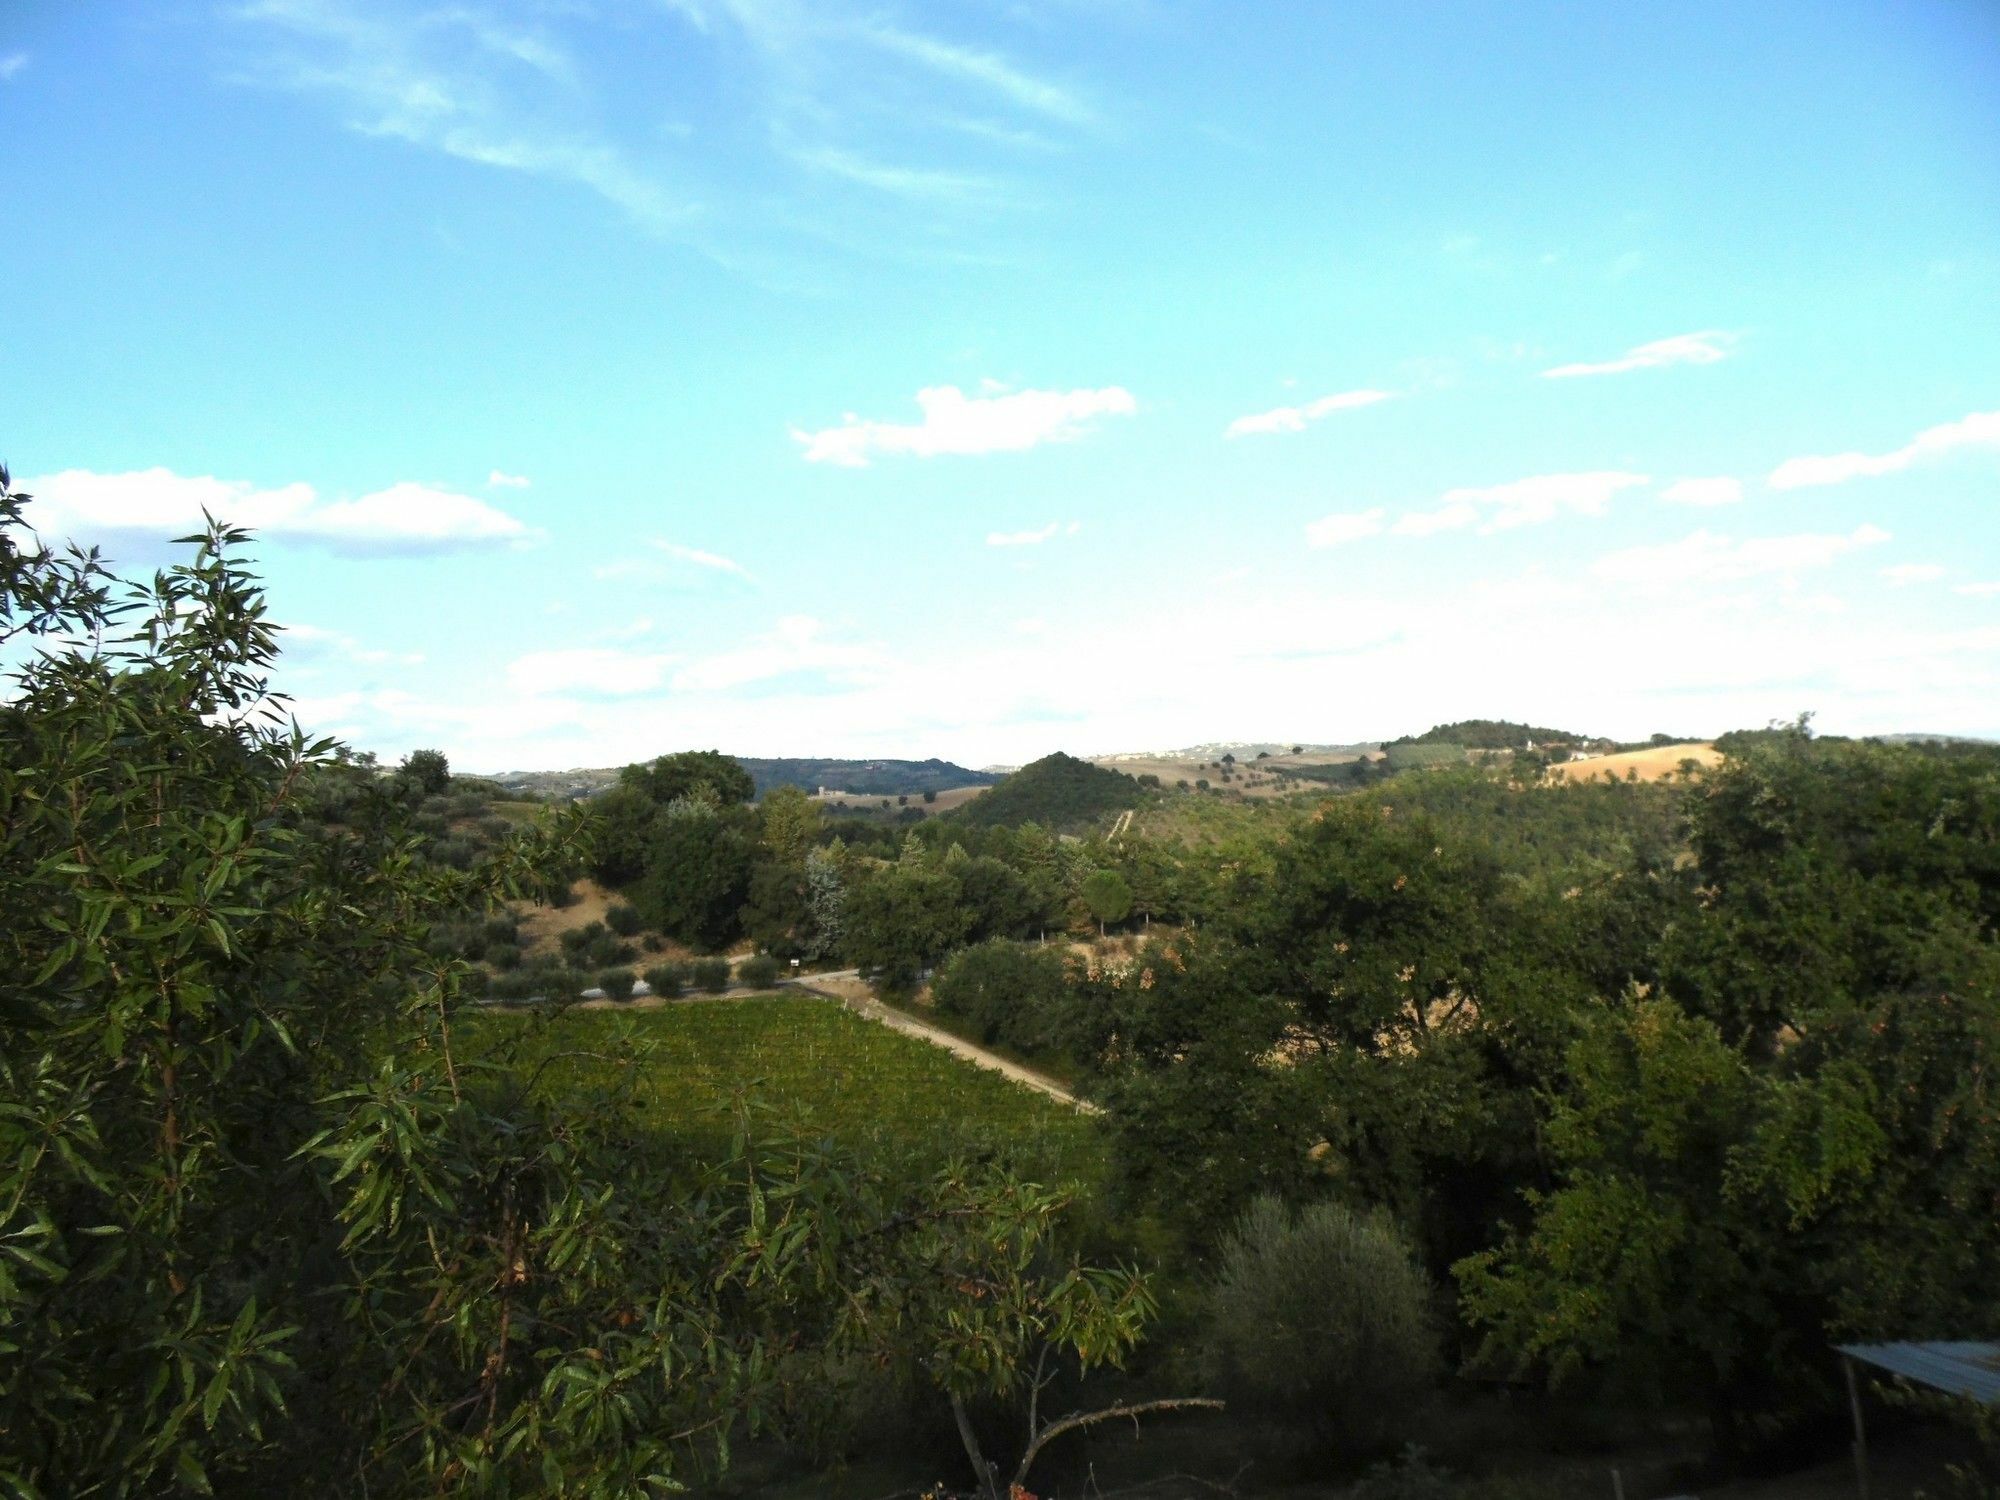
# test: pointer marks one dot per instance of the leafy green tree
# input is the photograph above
(826, 896)
(621, 820)
(1182, 1043)
(777, 912)
(429, 770)
(789, 823)
(1107, 896)
(1010, 992)
(998, 901)
(687, 773)
(901, 919)
(698, 865)
(1321, 1318)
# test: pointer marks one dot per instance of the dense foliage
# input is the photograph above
(266, 1225)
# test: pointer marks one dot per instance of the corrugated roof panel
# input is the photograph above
(1960, 1368)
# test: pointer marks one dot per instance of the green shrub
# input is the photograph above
(760, 972)
(623, 919)
(617, 984)
(711, 974)
(1009, 992)
(503, 928)
(503, 956)
(667, 980)
(578, 940)
(515, 986)
(1320, 1319)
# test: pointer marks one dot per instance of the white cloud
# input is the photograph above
(1682, 349)
(157, 503)
(1454, 517)
(1979, 430)
(1295, 418)
(1331, 531)
(1904, 574)
(602, 671)
(499, 481)
(1977, 590)
(1524, 502)
(1706, 558)
(711, 560)
(315, 643)
(796, 644)
(11, 65)
(1032, 538)
(956, 423)
(1720, 490)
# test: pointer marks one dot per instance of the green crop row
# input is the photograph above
(806, 1062)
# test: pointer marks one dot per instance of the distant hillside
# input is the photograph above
(867, 778)
(1495, 734)
(1246, 750)
(1057, 791)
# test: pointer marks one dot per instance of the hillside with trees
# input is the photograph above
(866, 778)
(1458, 1108)
(1495, 734)
(1058, 791)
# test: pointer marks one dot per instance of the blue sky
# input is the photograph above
(983, 379)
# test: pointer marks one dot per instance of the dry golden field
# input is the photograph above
(1655, 764)
(1257, 780)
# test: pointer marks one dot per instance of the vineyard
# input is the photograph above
(805, 1060)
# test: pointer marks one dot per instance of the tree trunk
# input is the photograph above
(989, 1482)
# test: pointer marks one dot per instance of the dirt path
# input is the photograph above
(851, 991)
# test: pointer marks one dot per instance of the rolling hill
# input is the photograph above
(1058, 791)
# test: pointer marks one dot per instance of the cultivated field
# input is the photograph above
(1655, 764)
(808, 1060)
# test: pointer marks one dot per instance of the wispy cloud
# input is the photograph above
(796, 644)
(150, 504)
(904, 181)
(1902, 575)
(1682, 349)
(1332, 531)
(11, 64)
(460, 81)
(827, 109)
(1524, 502)
(988, 69)
(1032, 538)
(714, 561)
(1706, 558)
(1979, 430)
(1720, 490)
(1978, 590)
(499, 481)
(1296, 418)
(953, 422)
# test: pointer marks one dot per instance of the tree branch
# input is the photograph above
(1078, 1419)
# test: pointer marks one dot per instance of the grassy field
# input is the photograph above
(812, 1061)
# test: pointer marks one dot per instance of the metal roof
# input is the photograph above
(1963, 1369)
